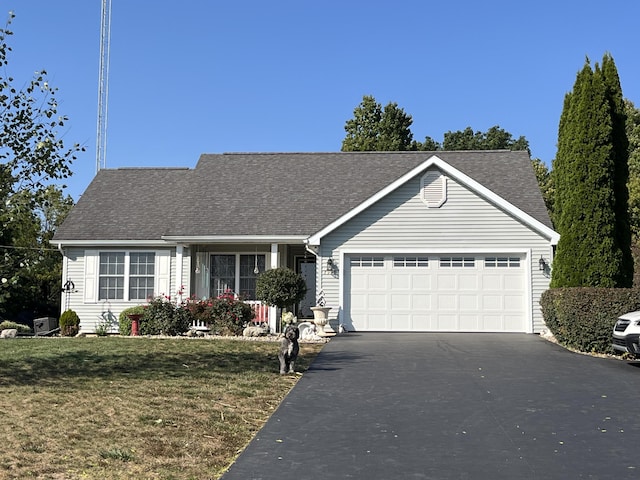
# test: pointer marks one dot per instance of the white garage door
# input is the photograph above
(471, 293)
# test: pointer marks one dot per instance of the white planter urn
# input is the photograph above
(321, 319)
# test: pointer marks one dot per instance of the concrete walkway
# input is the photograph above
(452, 406)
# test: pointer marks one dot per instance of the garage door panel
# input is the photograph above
(376, 281)
(492, 282)
(492, 322)
(446, 282)
(421, 302)
(377, 321)
(513, 303)
(468, 282)
(512, 323)
(421, 282)
(513, 283)
(401, 301)
(469, 323)
(401, 322)
(378, 302)
(400, 282)
(447, 302)
(409, 293)
(468, 302)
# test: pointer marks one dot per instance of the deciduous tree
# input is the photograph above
(32, 156)
(374, 128)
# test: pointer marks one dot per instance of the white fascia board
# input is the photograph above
(435, 161)
(236, 239)
(109, 243)
(433, 251)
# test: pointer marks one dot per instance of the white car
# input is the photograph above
(626, 334)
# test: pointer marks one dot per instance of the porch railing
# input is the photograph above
(260, 310)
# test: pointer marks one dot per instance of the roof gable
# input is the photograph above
(435, 161)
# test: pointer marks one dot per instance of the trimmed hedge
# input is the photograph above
(583, 318)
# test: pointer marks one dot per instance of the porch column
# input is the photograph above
(273, 311)
(179, 262)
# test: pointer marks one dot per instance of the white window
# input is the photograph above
(433, 189)
(367, 261)
(410, 261)
(502, 262)
(236, 273)
(450, 262)
(117, 270)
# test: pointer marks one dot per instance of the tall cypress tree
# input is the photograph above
(588, 183)
(620, 143)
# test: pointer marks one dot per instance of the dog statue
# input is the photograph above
(289, 349)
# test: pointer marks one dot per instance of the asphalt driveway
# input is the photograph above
(452, 406)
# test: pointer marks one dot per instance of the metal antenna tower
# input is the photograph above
(103, 85)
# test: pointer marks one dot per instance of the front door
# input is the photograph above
(307, 268)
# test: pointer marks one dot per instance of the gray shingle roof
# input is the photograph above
(271, 193)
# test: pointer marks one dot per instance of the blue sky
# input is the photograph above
(209, 76)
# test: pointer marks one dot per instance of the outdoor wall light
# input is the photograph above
(330, 265)
(542, 264)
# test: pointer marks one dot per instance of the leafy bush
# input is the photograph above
(280, 287)
(124, 321)
(224, 315)
(583, 318)
(18, 326)
(69, 323)
(162, 317)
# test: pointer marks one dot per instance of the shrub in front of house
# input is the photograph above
(162, 317)
(69, 323)
(280, 287)
(583, 318)
(224, 315)
(124, 322)
(8, 324)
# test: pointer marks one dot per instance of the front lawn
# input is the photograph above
(134, 408)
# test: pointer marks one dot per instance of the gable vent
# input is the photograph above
(433, 189)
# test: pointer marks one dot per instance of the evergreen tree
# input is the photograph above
(620, 144)
(585, 173)
(633, 135)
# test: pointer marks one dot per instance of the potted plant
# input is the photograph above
(281, 288)
(321, 316)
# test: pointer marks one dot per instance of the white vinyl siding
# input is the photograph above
(82, 267)
(465, 223)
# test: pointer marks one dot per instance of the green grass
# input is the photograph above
(134, 408)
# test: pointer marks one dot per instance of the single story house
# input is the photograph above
(394, 241)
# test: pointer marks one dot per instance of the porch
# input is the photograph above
(218, 268)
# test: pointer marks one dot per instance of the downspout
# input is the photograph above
(309, 249)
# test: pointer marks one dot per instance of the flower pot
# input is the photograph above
(321, 319)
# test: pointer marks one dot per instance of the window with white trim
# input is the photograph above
(236, 273)
(367, 261)
(410, 261)
(433, 189)
(465, 262)
(501, 262)
(117, 270)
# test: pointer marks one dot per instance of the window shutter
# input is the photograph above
(91, 258)
(433, 189)
(163, 273)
